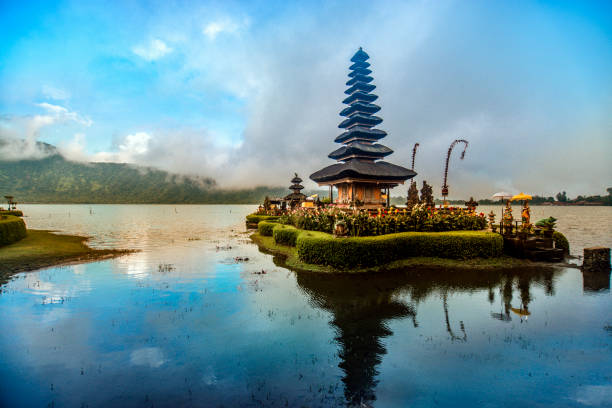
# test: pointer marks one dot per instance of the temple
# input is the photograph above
(296, 197)
(360, 175)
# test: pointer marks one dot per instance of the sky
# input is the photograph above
(249, 92)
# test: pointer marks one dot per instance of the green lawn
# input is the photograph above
(40, 249)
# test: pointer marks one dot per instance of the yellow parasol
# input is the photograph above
(521, 196)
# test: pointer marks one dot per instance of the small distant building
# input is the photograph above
(360, 175)
(295, 199)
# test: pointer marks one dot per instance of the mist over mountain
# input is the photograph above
(54, 179)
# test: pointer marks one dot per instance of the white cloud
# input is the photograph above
(224, 25)
(61, 114)
(22, 132)
(130, 150)
(155, 50)
(52, 92)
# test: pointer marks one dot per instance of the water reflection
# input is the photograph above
(362, 307)
(596, 282)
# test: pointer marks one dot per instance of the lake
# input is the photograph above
(184, 323)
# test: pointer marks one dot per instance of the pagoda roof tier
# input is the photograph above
(360, 107)
(359, 65)
(358, 169)
(360, 78)
(360, 55)
(360, 96)
(360, 120)
(296, 180)
(359, 71)
(295, 197)
(360, 86)
(296, 187)
(361, 133)
(373, 151)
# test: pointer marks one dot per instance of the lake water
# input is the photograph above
(182, 323)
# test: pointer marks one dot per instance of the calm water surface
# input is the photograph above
(183, 323)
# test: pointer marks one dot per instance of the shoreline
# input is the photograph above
(291, 261)
(43, 249)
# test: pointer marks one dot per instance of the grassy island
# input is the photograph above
(40, 249)
(319, 251)
(289, 257)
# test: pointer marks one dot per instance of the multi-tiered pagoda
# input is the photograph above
(360, 176)
(296, 198)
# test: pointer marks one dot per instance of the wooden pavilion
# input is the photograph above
(362, 179)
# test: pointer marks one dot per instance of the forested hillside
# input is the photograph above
(57, 180)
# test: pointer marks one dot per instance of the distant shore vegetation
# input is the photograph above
(55, 180)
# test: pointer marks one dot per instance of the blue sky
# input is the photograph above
(248, 92)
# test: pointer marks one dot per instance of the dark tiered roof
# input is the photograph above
(296, 187)
(360, 154)
(361, 150)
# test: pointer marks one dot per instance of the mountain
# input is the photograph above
(53, 179)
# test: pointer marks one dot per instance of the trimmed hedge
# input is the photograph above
(343, 253)
(17, 213)
(285, 234)
(265, 228)
(561, 242)
(255, 218)
(12, 229)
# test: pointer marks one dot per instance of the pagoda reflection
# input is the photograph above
(362, 306)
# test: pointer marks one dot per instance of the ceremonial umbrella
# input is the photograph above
(522, 196)
(502, 195)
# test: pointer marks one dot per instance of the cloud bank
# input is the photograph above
(248, 99)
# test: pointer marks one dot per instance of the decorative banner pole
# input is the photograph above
(414, 149)
(450, 150)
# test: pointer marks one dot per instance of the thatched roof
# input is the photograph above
(360, 96)
(360, 56)
(363, 170)
(360, 120)
(359, 78)
(376, 151)
(360, 107)
(361, 133)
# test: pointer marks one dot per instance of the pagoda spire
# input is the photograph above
(360, 138)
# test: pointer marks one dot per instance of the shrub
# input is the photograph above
(343, 253)
(548, 223)
(285, 234)
(17, 213)
(265, 228)
(561, 242)
(255, 218)
(391, 221)
(12, 229)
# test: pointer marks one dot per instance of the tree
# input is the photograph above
(562, 197)
(413, 196)
(427, 195)
(609, 190)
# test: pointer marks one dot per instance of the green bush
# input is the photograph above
(12, 229)
(561, 242)
(391, 221)
(285, 234)
(17, 213)
(255, 218)
(343, 253)
(265, 228)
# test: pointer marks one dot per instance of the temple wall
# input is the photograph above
(364, 192)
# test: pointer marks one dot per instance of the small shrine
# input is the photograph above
(361, 177)
(295, 199)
